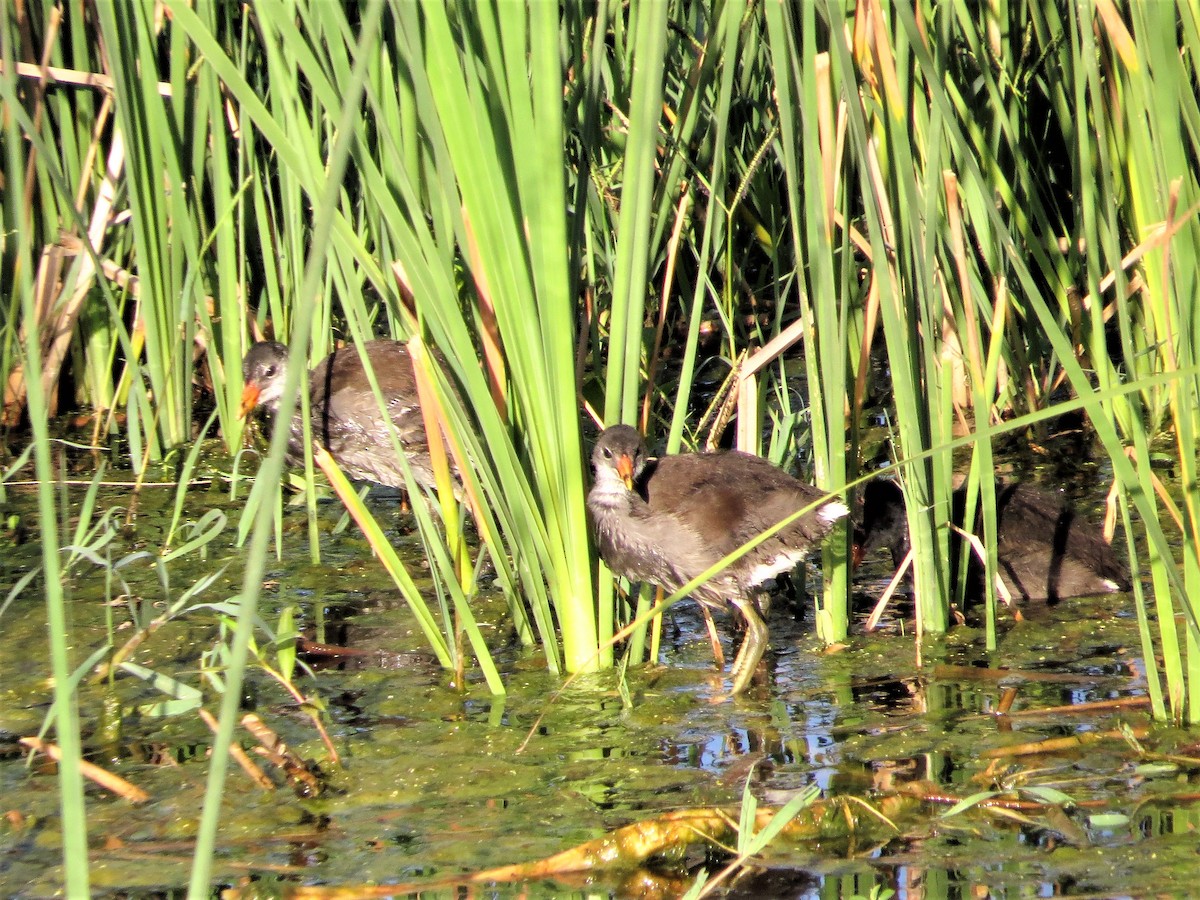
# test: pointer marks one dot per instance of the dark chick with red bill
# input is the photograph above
(665, 521)
(345, 417)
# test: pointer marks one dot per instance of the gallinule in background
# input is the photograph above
(1045, 552)
(665, 521)
(346, 419)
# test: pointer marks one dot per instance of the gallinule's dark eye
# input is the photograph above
(607, 453)
(270, 373)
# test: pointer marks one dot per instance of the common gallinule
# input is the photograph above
(1045, 552)
(665, 521)
(345, 416)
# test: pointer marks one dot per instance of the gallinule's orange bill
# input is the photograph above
(1045, 552)
(345, 416)
(665, 521)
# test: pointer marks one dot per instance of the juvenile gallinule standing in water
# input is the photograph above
(345, 417)
(665, 521)
(1045, 552)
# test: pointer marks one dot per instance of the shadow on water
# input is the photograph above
(434, 783)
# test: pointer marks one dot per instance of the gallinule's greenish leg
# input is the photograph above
(665, 521)
(346, 418)
(1045, 552)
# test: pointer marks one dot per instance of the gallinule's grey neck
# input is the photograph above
(345, 416)
(1045, 552)
(665, 521)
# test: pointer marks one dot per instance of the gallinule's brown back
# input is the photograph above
(345, 418)
(665, 521)
(1045, 552)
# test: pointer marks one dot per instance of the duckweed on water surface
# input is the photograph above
(434, 783)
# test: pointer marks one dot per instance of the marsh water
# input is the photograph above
(439, 781)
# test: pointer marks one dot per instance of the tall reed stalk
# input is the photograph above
(66, 709)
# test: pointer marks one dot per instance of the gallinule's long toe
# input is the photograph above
(665, 521)
(1045, 551)
(346, 419)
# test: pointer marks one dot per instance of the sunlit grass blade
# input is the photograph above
(67, 727)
